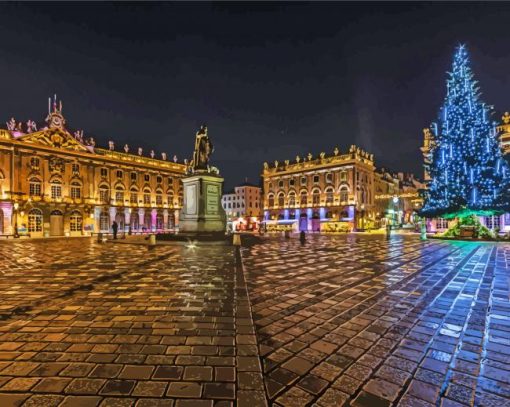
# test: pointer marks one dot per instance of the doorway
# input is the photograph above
(56, 223)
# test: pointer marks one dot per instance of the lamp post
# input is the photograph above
(16, 206)
(363, 217)
(395, 207)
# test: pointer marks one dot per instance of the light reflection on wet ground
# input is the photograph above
(371, 321)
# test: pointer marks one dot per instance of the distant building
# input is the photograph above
(326, 193)
(243, 206)
(397, 198)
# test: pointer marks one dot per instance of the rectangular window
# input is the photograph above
(315, 179)
(75, 192)
(119, 174)
(147, 199)
(104, 172)
(75, 168)
(159, 199)
(133, 176)
(170, 181)
(103, 195)
(56, 191)
(133, 197)
(147, 177)
(492, 222)
(119, 196)
(35, 189)
(159, 179)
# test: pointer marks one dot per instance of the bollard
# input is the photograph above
(287, 234)
(99, 238)
(236, 240)
(152, 241)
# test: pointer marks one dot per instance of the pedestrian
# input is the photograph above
(302, 237)
(115, 227)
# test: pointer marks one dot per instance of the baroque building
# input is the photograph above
(326, 193)
(54, 183)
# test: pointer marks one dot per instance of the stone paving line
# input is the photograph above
(412, 333)
(169, 327)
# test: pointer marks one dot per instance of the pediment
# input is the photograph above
(56, 138)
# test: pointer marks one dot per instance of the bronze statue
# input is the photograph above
(203, 150)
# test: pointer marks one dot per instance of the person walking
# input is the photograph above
(115, 227)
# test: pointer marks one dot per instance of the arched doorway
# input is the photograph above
(160, 221)
(171, 220)
(104, 221)
(135, 221)
(120, 219)
(75, 223)
(35, 222)
(303, 222)
(316, 222)
(56, 223)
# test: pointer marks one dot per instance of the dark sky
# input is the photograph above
(271, 80)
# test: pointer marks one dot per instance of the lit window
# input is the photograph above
(134, 176)
(119, 174)
(75, 221)
(147, 177)
(119, 195)
(104, 194)
(75, 168)
(75, 190)
(133, 196)
(56, 190)
(35, 219)
(316, 197)
(146, 197)
(159, 199)
(104, 172)
(343, 176)
(34, 187)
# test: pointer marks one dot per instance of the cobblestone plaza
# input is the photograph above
(348, 320)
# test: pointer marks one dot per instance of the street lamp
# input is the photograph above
(16, 206)
(395, 206)
(363, 216)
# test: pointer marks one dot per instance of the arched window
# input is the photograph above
(270, 200)
(34, 187)
(344, 194)
(303, 198)
(281, 199)
(160, 221)
(292, 199)
(75, 190)
(133, 195)
(104, 221)
(159, 197)
(170, 198)
(35, 220)
(135, 221)
(56, 189)
(147, 220)
(316, 197)
(75, 221)
(119, 195)
(104, 194)
(171, 221)
(329, 196)
(146, 196)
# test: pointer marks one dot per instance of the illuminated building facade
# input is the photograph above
(54, 183)
(397, 198)
(324, 193)
(243, 206)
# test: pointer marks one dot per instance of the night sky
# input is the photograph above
(271, 80)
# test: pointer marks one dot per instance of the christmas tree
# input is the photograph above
(468, 172)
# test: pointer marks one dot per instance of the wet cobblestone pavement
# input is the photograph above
(353, 320)
(364, 321)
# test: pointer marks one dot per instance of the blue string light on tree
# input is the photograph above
(467, 170)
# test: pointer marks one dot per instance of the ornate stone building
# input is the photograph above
(327, 193)
(54, 183)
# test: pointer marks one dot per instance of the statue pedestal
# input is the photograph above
(202, 211)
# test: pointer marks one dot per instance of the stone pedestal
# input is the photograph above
(202, 211)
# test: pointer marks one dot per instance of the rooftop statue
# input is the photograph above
(203, 150)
